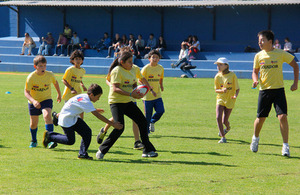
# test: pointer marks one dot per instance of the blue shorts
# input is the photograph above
(33, 111)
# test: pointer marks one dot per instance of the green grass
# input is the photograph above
(190, 159)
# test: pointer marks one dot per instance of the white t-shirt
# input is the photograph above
(73, 107)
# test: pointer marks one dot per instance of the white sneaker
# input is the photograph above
(99, 155)
(285, 151)
(150, 154)
(254, 144)
(55, 55)
(151, 127)
(62, 55)
(222, 140)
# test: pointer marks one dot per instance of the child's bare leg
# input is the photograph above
(136, 132)
(81, 115)
(226, 116)
(47, 115)
(34, 120)
(219, 116)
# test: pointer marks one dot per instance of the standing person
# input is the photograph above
(47, 44)
(154, 73)
(38, 92)
(122, 81)
(70, 121)
(68, 32)
(269, 63)
(227, 88)
(28, 42)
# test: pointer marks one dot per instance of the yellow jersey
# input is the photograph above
(153, 74)
(270, 66)
(39, 86)
(230, 82)
(73, 76)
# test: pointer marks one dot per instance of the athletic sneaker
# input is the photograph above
(222, 140)
(85, 157)
(33, 144)
(225, 132)
(150, 154)
(52, 145)
(46, 140)
(99, 155)
(138, 145)
(254, 144)
(285, 151)
(151, 127)
(101, 136)
(54, 118)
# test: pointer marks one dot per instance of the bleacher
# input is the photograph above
(96, 63)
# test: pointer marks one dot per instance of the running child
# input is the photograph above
(70, 121)
(38, 92)
(227, 88)
(154, 74)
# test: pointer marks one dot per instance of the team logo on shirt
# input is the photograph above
(35, 86)
(79, 99)
(74, 79)
(151, 76)
(262, 63)
(274, 62)
(158, 75)
(229, 83)
(46, 85)
(126, 82)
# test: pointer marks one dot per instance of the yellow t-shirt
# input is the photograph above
(74, 77)
(230, 82)
(153, 74)
(40, 85)
(270, 65)
(126, 79)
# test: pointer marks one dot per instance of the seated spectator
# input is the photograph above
(140, 45)
(124, 39)
(194, 48)
(29, 43)
(68, 32)
(118, 47)
(277, 44)
(85, 45)
(151, 44)
(47, 45)
(133, 49)
(113, 46)
(61, 44)
(75, 41)
(131, 37)
(188, 41)
(104, 43)
(288, 45)
(161, 45)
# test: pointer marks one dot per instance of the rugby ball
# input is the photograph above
(141, 89)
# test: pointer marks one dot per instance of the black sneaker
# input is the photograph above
(101, 136)
(46, 140)
(54, 118)
(85, 157)
(138, 145)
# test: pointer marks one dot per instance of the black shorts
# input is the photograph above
(268, 97)
(33, 111)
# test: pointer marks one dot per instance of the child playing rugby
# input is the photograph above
(70, 121)
(38, 92)
(227, 88)
(154, 74)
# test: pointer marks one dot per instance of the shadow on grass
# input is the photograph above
(279, 155)
(278, 145)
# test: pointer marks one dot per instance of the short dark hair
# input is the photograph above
(39, 59)
(75, 54)
(268, 34)
(153, 52)
(94, 89)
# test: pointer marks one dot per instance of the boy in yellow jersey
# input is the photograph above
(72, 80)
(38, 92)
(227, 88)
(269, 63)
(154, 74)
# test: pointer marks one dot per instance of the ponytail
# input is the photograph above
(113, 65)
(125, 55)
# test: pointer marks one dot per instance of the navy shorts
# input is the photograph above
(33, 111)
(268, 97)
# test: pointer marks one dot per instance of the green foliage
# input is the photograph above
(190, 159)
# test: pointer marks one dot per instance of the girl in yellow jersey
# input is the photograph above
(227, 88)
(123, 80)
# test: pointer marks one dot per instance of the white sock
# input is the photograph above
(255, 138)
(286, 144)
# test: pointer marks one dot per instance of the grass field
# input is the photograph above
(190, 159)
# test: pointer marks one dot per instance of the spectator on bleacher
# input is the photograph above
(104, 43)
(188, 41)
(29, 43)
(151, 44)
(194, 48)
(75, 44)
(47, 44)
(118, 47)
(133, 49)
(61, 44)
(277, 44)
(140, 45)
(288, 45)
(161, 45)
(114, 44)
(68, 32)
(85, 45)
(131, 37)
(124, 39)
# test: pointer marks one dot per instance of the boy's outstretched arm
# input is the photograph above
(116, 125)
(83, 86)
(296, 75)
(56, 85)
